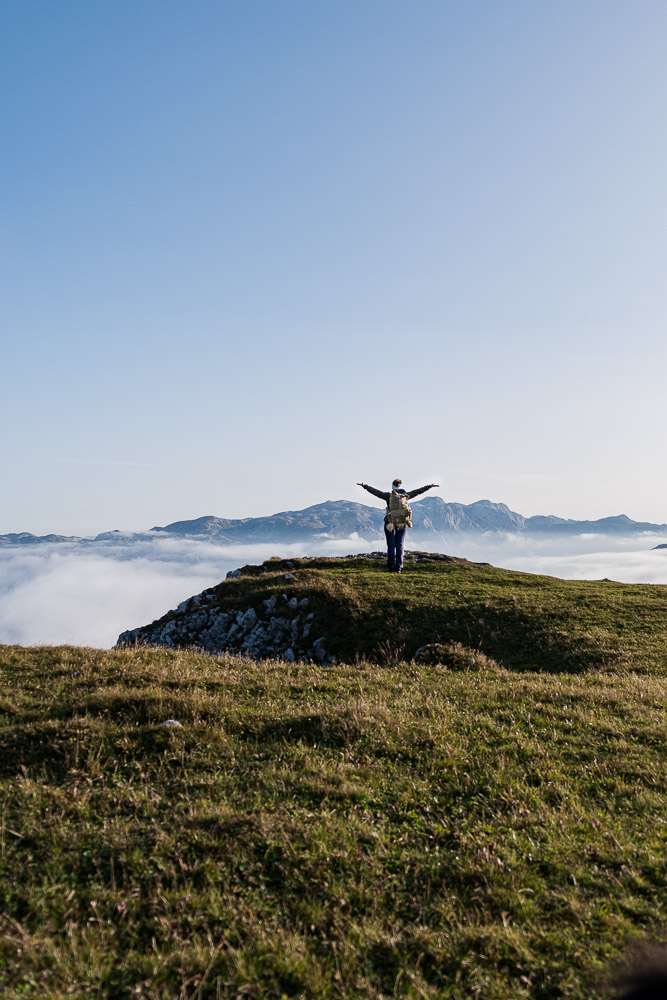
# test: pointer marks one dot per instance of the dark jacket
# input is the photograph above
(385, 496)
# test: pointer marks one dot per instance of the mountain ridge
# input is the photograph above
(434, 519)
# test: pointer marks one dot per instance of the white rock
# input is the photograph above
(318, 650)
(249, 619)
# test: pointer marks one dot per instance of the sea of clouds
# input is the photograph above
(88, 595)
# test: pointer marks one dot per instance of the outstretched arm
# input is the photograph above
(422, 489)
(376, 493)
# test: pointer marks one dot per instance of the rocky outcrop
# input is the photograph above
(274, 620)
(281, 628)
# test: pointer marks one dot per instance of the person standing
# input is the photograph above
(397, 519)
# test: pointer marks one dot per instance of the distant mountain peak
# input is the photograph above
(206, 525)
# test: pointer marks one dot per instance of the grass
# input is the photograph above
(524, 621)
(357, 831)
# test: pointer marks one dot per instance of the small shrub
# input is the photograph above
(454, 656)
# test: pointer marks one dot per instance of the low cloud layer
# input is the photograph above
(61, 593)
(53, 594)
(627, 559)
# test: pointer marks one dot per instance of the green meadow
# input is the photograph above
(377, 828)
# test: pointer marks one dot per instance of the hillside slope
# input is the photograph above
(317, 833)
(346, 608)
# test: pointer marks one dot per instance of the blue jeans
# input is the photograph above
(395, 543)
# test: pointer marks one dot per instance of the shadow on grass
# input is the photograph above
(515, 638)
(335, 730)
(141, 708)
(48, 748)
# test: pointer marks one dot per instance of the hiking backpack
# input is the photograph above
(400, 511)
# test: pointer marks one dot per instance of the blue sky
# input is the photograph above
(253, 252)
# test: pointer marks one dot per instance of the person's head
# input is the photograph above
(397, 483)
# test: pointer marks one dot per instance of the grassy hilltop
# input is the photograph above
(385, 829)
(522, 620)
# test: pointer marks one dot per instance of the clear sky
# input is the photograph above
(253, 251)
